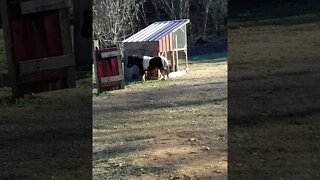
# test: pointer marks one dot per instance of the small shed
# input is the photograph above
(165, 38)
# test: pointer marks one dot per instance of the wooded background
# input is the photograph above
(115, 20)
(262, 9)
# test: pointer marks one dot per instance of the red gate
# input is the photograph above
(38, 45)
(108, 69)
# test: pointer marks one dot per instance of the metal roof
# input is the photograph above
(157, 30)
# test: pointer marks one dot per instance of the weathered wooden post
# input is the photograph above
(82, 14)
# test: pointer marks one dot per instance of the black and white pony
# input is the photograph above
(147, 63)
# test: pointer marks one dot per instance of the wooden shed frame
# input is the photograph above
(48, 68)
(172, 54)
(171, 44)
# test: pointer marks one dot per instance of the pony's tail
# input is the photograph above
(166, 65)
(165, 62)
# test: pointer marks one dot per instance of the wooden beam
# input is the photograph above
(49, 63)
(110, 54)
(67, 44)
(177, 61)
(186, 45)
(96, 44)
(36, 6)
(120, 69)
(173, 62)
(65, 31)
(40, 77)
(186, 52)
(7, 37)
(96, 71)
(142, 45)
(110, 85)
(179, 49)
(111, 79)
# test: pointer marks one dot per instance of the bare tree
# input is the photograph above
(114, 20)
(206, 5)
(176, 9)
(219, 16)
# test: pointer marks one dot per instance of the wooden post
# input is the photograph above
(82, 34)
(12, 69)
(186, 51)
(120, 66)
(67, 45)
(95, 69)
(177, 56)
(173, 61)
(177, 61)
(186, 45)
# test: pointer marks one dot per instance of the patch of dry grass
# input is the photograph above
(164, 129)
(273, 112)
(46, 135)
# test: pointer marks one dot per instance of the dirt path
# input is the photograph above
(164, 129)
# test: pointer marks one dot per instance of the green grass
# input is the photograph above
(214, 57)
(150, 84)
(275, 11)
(140, 86)
(102, 94)
(28, 100)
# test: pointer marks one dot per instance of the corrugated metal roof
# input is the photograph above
(157, 30)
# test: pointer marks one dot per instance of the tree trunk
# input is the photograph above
(205, 22)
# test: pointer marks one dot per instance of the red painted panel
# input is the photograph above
(114, 65)
(53, 33)
(100, 69)
(107, 67)
(36, 43)
(103, 67)
(20, 50)
(35, 35)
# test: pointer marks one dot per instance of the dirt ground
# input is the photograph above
(173, 129)
(274, 91)
(46, 135)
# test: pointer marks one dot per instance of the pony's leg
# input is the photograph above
(159, 74)
(144, 76)
(168, 72)
(163, 74)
